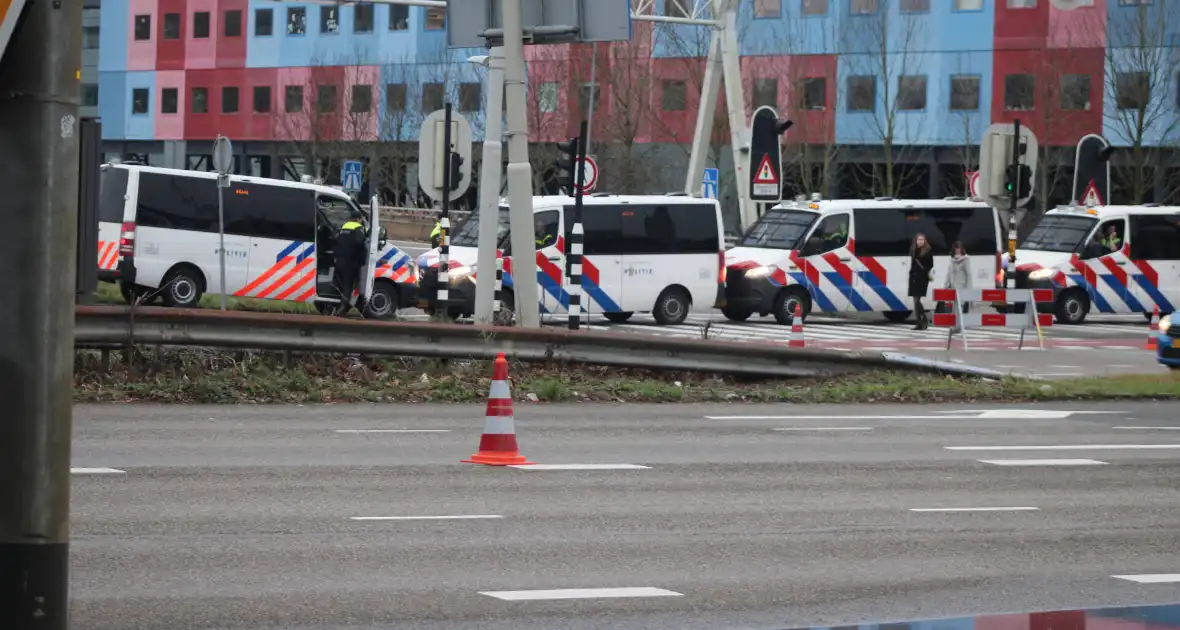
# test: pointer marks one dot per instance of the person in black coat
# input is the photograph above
(921, 271)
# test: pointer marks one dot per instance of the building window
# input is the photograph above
(964, 93)
(863, 7)
(296, 20)
(261, 99)
(1019, 92)
(436, 19)
(968, 5)
(433, 96)
(264, 22)
(229, 100)
(1022, 4)
(171, 26)
(233, 24)
(201, 25)
(395, 97)
(1075, 92)
(814, 7)
(915, 6)
(768, 8)
(547, 96)
(676, 8)
(169, 101)
(1132, 90)
(200, 100)
(293, 99)
(139, 101)
(362, 99)
(325, 99)
(330, 19)
(362, 18)
(89, 95)
(470, 97)
(813, 93)
(673, 96)
(585, 93)
(399, 17)
(90, 37)
(911, 93)
(143, 28)
(862, 93)
(765, 93)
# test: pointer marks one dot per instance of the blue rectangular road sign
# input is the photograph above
(711, 180)
(350, 176)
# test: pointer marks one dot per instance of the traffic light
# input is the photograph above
(1018, 177)
(456, 170)
(566, 164)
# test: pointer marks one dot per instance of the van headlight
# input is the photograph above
(1165, 323)
(1041, 274)
(758, 272)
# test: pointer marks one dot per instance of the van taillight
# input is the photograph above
(127, 239)
(721, 267)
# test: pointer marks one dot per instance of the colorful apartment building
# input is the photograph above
(888, 96)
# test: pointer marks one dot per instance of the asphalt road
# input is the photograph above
(242, 517)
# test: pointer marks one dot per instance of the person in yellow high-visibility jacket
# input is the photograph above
(436, 234)
(350, 253)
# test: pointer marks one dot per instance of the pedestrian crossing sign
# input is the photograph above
(1091, 196)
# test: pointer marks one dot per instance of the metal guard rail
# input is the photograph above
(117, 325)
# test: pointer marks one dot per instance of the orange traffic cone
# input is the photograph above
(1152, 341)
(497, 446)
(797, 340)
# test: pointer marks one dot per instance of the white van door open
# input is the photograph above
(374, 251)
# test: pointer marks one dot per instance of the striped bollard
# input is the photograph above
(444, 267)
(497, 296)
(575, 267)
(797, 340)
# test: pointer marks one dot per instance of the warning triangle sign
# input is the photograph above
(766, 174)
(1091, 196)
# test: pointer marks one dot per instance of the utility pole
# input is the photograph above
(39, 174)
(489, 188)
(1013, 202)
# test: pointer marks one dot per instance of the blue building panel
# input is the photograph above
(1156, 124)
(140, 126)
(113, 107)
(791, 32)
(1154, 24)
(114, 18)
(970, 30)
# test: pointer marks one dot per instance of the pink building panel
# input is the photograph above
(676, 125)
(141, 54)
(550, 94)
(755, 69)
(201, 53)
(813, 125)
(1002, 622)
(298, 125)
(361, 126)
(170, 126)
(1084, 27)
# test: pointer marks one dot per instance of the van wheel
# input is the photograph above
(736, 314)
(184, 287)
(1071, 308)
(672, 307)
(619, 317)
(784, 306)
(382, 304)
(898, 317)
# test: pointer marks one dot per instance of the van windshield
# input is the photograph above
(468, 233)
(112, 189)
(779, 229)
(1056, 233)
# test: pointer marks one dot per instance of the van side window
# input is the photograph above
(975, 227)
(289, 213)
(601, 227)
(545, 226)
(694, 229)
(829, 235)
(112, 190)
(1107, 239)
(1155, 237)
(643, 229)
(176, 203)
(881, 232)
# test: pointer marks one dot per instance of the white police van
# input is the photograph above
(158, 232)
(841, 256)
(658, 254)
(1072, 252)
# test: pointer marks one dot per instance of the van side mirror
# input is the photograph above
(382, 237)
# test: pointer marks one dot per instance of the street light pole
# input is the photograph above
(489, 185)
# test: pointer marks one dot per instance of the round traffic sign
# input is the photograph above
(973, 184)
(590, 175)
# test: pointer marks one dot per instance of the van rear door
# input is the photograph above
(113, 198)
(1155, 262)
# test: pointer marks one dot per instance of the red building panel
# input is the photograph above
(1021, 28)
(815, 123)
(1061, 112)
(170, 52)
(552, 93)
(230, 48)
(244, 123)
(671, 75)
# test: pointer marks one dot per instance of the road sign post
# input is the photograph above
(223, 158)
(766, 161)
(432, 153)
(1091, 171)
(711, 183)
(351, 177)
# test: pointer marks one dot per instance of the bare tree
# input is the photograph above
(887, 79)
(401, 117)
(1142, 117)
(627, 103)
(549, 108)
(688, 50)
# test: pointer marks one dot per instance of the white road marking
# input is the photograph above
(961, 414)
(1059, 374)
(580, 467)
(457, 517)
(393, 430)
(1151, 578)
(825, 429)
(97, 471)
(1068, 447)
(1148, 428)
(581, 593)
(841, 417)
(1043, 462)
(977, 509)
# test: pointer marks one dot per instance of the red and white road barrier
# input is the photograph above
(958, 321)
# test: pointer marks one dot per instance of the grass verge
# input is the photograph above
(203, 376)
(108, 293)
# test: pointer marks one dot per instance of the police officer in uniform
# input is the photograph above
(350, 253)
